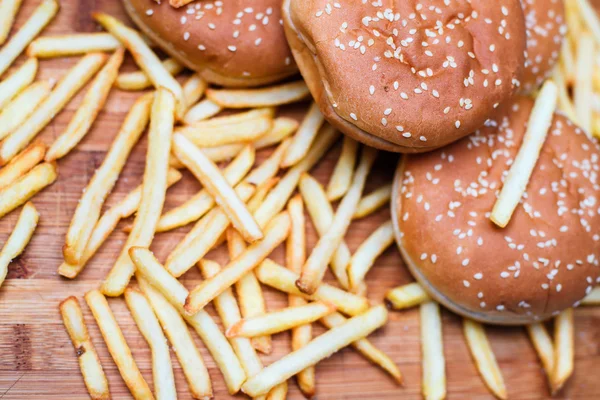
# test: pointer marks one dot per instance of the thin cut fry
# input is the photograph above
(17, 81)
(147, 323)
(26, 187)
(526, 159)
(303, 139)
(138, 80)
(407, 296)
(193, 89)
(18, 110)
(373, 201)
(241, 132)
(279, 392)
(564, 100)
(8, 11)
(583, 90)
(588, 14)
(484, 357)
(564, 349)
(89, 363)
(542, 342)
(117, 346)
(341, 178)
(264, 97)
(19, 238)
(269, 167)
(365, 256)
(567, 61)
(21, 164)
(318, 349)
(68, 86)
(38, 20)
(201, 111)
(72, 44)
(153, 192)
(432, 347)
(592, 299)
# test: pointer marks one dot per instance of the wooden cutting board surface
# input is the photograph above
(37, 359)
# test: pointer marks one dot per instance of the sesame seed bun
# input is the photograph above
(544, 261)
(236, 43)
(411, 79)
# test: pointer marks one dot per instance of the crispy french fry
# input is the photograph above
(279, 392)
(144, 58)
(276, 232)
(264, 97)
(316, 264)
(117, 346)
(107, 223)
(88, 209)
(282, 279)
(21, 164)
(583, 90)
(365, 256)
(269, 167)
(138, 80)
(407, 296)
(147, 323)
(282, 128)
(19, 238)
(201, 111)
(304, 137)
(89, 362)
(23, 105)
(434, 364)
(88, 110)
(38, 20)
(483, 355)
(588, 14)
(318, 349)
(592, 299)
(193, 90)
(26, 187)
(564, 349)
(66, 88)
(373, 201)
(17, 81)
(341, 178)
(154, 187)
(520, 171)
(542, 343)
(8, 11)
(72, 44)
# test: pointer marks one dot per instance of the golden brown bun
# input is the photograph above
(237, 43)
(544, 261)
(546, 29)
(376, 81)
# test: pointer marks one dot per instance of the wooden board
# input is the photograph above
(38, 361)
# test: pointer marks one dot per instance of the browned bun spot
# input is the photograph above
(544, 261)
(405, 76)
(230, 42)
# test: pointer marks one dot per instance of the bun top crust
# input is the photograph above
(546, 29)
(545, 260)
(231, 42)
(418, 76)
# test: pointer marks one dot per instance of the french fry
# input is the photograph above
(407, 296)
(214, 182)
(365, 256)
(17, 81)
(21, 164)
(434, 364)
(38, 20)
(88, 110)
(201, 111)
(318, 349)
(269, 167)
(316, 264)
(72, 45)
(19, 238)
(592, 299)
(117, 346)
(179, 3)
(66, 88)
(264, 97)
(521, 169)
(154, 187)
(564, 349)
(282, 279)
(483, 355)
(583, 90)
(282, 128)
(8, 11)
(276, 232)
(279, 392)
(304, 137)
(567, 62)
(193, 89)
(147, 323)
(107, 223)
(144, 58)
(373, 201)
(138, 80)
(89, 362)
(564, 100)
(18, 110)
(88, 209)
(542, 343)
(341, 178)
(26, 187)
(588, 14)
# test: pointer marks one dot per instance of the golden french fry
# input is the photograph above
(318, 349)
(583, 89)
(592, 299)
(366, 254)
(483, 355)
(279, 392)
(193, 90)
(179, 3)
(520, 171)
(26, 187)
(588, 14)
(564, 100)
(316, 264)
(147, 323)
(89, 363)
(341, 178)
(269, 167)
(432, 348)
(117, 346)
(304, 137)
(72, 44)
(154, 187)
(21, 164)
(201, 111)
(19, 238)
(138, 80)
(276, 232)
(88, 209)
(66, 88)
(407, 296)
(564, 349)
(373, 201)
(542, 342)
(235, 119)
(264, 97)
(88, 110)
(8, 11)
(23, 105)
(38, 20)
(242, 132)
(107, 223)
(281, 129)
(17, 81)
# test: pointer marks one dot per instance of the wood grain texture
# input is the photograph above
(36, 356)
